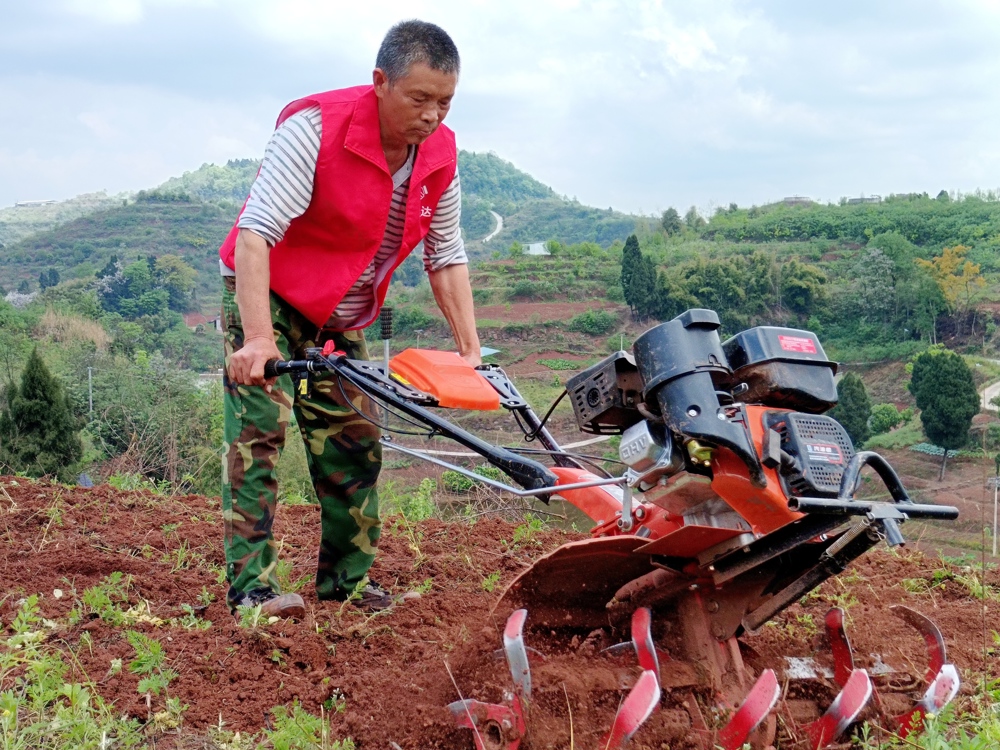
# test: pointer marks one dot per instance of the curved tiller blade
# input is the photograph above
(638, 706)
(843, 656)
(758, 704)
(517, 654)
(937, 652)
(642, 640)
(940, 693)
(495, 721)
(842, 712)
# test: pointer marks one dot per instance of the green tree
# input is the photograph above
(853, 408)
(693, 219)
(631, 260)
(671, 222)
(177, 278)
(48, 279)
(38, 433)
(644, 284)
(802, 286)
(946, 395)
(884, 418)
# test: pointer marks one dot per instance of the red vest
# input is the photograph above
(327, 249)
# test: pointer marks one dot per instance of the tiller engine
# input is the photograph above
(738, 500)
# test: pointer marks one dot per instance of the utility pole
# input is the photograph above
(90, 389)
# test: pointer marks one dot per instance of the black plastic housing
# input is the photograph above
(818, 449)
(605, 395)
(684, 372)
(782, 367)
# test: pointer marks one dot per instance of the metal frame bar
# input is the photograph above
(494, 483)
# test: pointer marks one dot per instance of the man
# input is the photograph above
(352, 180)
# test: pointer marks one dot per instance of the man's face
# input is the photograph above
(411, 108)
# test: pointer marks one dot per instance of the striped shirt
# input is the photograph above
(283, 190)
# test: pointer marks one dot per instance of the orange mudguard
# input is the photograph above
(446, 376)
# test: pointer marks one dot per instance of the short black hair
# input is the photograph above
(415, 41)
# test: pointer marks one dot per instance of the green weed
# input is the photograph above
(489, 582)
(190, 619)
(127, 482)
(297, 729)
(105, 599)
(284, 571)
(149, 662)
(206, 597)
(252, 618)
(525, 533)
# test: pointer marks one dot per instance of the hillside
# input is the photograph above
(17, 222)
(189, 216)
(156, 225)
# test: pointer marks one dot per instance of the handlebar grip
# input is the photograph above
(274, 367)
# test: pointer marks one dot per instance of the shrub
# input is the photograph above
(884, 418)
(594, 322)
(410, 319)
(452, 481)
(560, 364)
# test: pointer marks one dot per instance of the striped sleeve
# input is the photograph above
(443, 245)
(284, 185)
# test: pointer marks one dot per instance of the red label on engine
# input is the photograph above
(797, 344)
(825, 453)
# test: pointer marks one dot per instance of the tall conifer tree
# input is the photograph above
(631, 261)
(853, 408)
(38, 433)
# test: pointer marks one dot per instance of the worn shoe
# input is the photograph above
(272, 604)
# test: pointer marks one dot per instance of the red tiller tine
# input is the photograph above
(638, 705)
(850, 702)
(757, 705)
(942, 690)
(642, 639)
(517, 655)
(508, 721)
(937, 652)
(843, 656)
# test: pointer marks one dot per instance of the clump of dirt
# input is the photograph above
(387, 678)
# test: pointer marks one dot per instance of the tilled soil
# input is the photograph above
(387, 678)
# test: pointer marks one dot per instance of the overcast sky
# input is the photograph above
(636, 105)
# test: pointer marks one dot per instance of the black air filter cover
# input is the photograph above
(820, 447)
(782, 367)
(683, 372)
(605, 395)
(683, 346)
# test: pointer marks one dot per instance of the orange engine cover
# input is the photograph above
(446, 376)
(764, 508)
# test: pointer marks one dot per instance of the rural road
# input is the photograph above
(990, 393)
(496, 231)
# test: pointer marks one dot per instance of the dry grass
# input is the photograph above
(70, 328)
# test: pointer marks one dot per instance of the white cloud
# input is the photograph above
(624, 103)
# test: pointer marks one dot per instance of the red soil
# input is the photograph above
(390, 669)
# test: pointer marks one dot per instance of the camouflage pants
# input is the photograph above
(342, 451)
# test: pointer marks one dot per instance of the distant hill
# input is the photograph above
(531, 210)
(190, 215)
(155, 224)
(227, 184)
(17, 222)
